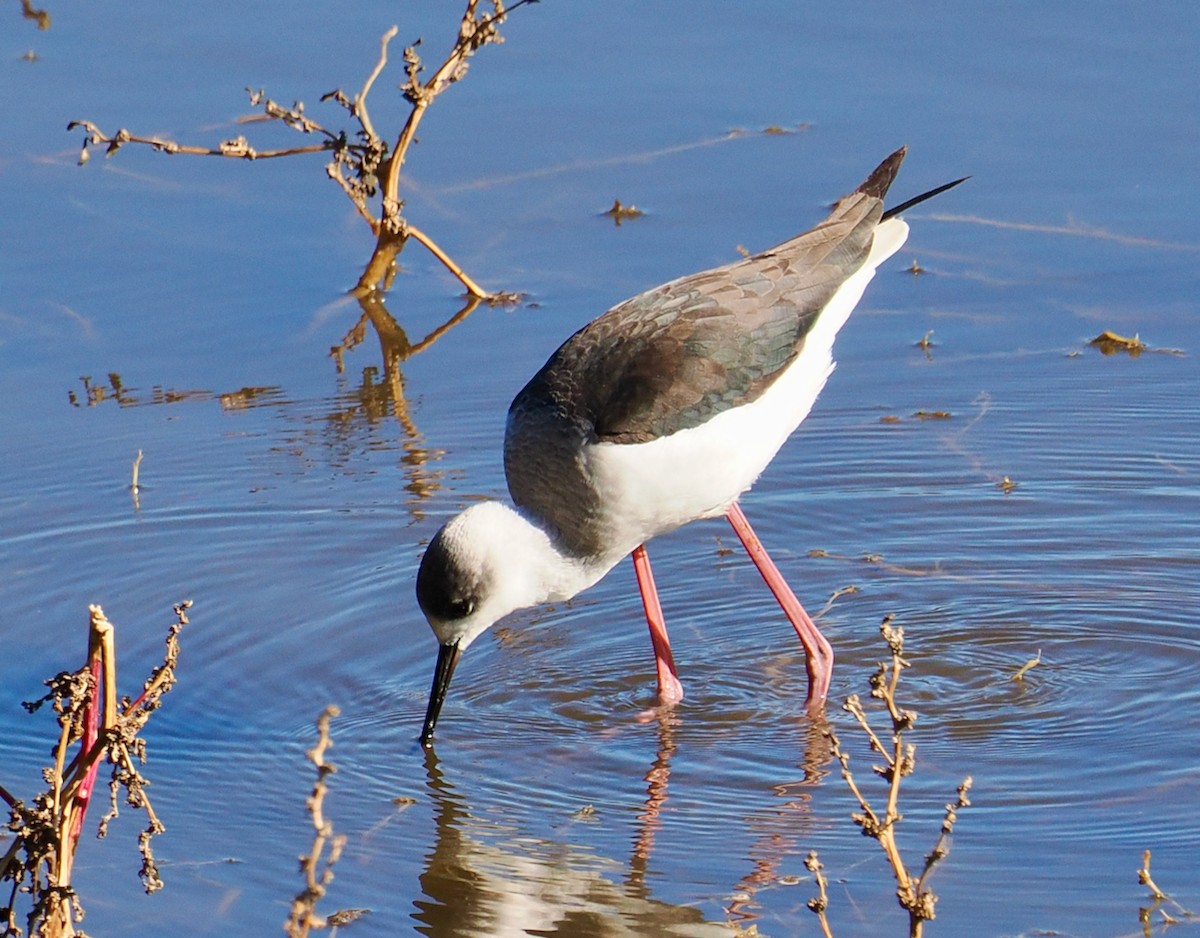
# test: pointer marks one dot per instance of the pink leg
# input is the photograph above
(669, 688)
(816, 648)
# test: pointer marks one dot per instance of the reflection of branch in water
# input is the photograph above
(483, 879)
(95, 394)
(374, 399)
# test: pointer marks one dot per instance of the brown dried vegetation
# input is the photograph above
(362, 162)
(94, 726)
(879, 823)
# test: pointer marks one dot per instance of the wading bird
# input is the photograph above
(663, 410)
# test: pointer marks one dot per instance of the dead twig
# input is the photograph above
(820, 902)
(1158, 899)
(899, 758)
(317, 865)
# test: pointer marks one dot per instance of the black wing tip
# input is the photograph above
(917, 200)
(880, 180)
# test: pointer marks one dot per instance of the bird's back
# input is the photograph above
(675, 357)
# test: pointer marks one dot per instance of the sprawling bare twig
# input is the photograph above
(1158, 900)
(362, 164)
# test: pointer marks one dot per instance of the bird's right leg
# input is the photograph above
(817, 650)
(669, 689)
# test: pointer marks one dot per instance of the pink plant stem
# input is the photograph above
(91, 732)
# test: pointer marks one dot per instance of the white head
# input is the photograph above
(482, 565)
(468, 577)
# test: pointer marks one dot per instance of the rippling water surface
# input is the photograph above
(291, 500)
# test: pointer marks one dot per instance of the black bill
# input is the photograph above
(447, 660)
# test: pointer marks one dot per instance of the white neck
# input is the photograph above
(538, 563)
(517, 564)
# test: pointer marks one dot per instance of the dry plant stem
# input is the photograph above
(392, 230)
(360, 100)
(1147, 880)
(1159, 898)
(40, 861)
(912, 891)
(316, 867)
(237, 148)
(474, 32)
(472, 287)
(367, 155)
(820, 902)
(135, 485)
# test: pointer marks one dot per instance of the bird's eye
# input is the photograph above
(460, 609)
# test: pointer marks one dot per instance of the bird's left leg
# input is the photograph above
(669, 689)
(816, 648)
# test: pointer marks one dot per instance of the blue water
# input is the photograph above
(294, 514)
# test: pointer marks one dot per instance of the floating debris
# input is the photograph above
(933, 415)
(916, 269)
(345, 917)
(1027, 666)
(619, 213)
(1110, 343)
(1006, 485)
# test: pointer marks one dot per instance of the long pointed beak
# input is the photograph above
(447, 660)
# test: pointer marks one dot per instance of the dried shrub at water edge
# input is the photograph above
(94, 725)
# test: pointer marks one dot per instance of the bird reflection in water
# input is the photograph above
(485, 877)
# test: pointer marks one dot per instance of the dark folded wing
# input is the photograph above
(677, 355)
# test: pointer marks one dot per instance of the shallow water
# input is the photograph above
(291, 502)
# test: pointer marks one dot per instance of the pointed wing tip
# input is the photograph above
(880, 180)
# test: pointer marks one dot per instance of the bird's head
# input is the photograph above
(470, 578)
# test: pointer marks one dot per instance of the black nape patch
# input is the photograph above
(444, 591)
